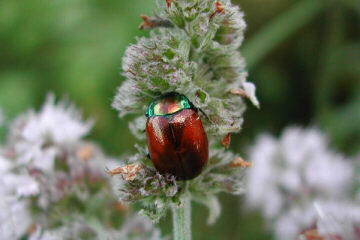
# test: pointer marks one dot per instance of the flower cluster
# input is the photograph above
(38, 139)
(54, 182)
(289, 174)
(192, 50)
(335, 221)
(50, 146)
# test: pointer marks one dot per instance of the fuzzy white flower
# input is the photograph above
(289, 174)
(334, 221)
(338, 220)
(15, 218)
(16, 184)
(289, 225)
(38, 138)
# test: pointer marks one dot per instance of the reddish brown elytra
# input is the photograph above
(176, 138)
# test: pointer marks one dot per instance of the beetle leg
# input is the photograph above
(148, 155)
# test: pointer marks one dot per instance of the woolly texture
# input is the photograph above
(137, 181)
(192, 50)
(198, 57)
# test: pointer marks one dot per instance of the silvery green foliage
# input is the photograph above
(290, 173)
(198, 57)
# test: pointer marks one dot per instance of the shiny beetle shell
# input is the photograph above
(176, 138)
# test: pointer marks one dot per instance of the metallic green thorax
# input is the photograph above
(168, 104)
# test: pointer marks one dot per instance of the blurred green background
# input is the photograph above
(304, 57)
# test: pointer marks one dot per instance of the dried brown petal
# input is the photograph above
(146, 23)
(169, 3)
(239, 162)
(129, 172)
(240, 92)
(225, 142)
(219, 8)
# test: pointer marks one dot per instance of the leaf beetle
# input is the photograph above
(176, 139)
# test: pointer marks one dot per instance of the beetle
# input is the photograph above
(176, 139)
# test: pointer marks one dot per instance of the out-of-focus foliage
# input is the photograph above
(308, 72)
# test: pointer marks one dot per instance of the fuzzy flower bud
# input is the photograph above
(192, 50)
(198, 59)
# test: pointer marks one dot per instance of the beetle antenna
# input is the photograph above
(207, 117)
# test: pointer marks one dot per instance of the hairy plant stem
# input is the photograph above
(182, 219)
